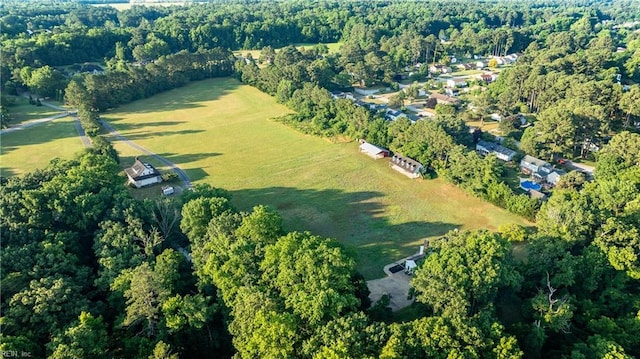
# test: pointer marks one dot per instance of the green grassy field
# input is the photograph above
(32, 148)
(219, 132)
(466, 73)
(23, 111)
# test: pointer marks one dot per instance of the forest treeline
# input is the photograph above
(87, 271)
(90, 272)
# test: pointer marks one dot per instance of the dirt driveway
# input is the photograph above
(396, 285)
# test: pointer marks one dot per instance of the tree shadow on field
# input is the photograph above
(153, 134)
(196, 174)
(192, 95)
(7, 172)
(133, 126)
(358, 220)
(180, 160)
(38, 134)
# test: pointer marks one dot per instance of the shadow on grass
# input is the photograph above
(196, 174)
(186, 97)
(128, 129)
(42, 133)
(7, 172)
(155, 134)
(359, 220)
(178, 159)
(133, 126)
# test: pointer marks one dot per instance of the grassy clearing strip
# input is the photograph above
(218, 132)
(24, 111)
(334, 48)
(33, 148)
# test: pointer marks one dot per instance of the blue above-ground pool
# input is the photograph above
(527, 185)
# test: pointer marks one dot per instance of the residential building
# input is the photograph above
(393, 115)
(554, 177)
(405, 165)
(373, 151)
(537, 168)
(142, 174)
(457, 82)
(444, 99)
(484, 148)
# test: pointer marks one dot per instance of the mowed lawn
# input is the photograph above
(333, 48)
(219, 131)
(34, 147)
(23, 111)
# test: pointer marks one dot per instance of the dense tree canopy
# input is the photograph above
(88, 271)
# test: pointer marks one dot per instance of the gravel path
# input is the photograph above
(183, 176)
(589, 170)
(87, 142)
(83, 136)
(32, 123)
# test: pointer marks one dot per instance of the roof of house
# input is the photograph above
(534, 161)
(140, 171)
(441, 97)
(494, 147)
(406, 163)
(372, 149)
(554, 176)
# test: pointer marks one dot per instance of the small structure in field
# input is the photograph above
(373, 151)
(405, 165)
(142, 174)
(168, 190)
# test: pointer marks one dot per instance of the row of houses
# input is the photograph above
(405, 165)
(541, 171)
(480, 63)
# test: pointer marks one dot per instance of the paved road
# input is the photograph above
(32, 123)
(83, 136)
(581, 167)
(86, 141)
(183, 176)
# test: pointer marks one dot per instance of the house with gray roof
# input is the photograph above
(536, 167)
(142, 174)
(484, 148)
(405, 165)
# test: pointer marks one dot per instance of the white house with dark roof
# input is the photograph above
(537, 168)
(457, 82)
(393, 115)
(502, 153)
(373, 151)
(530, 164)
(143, 174)
(405, 165)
